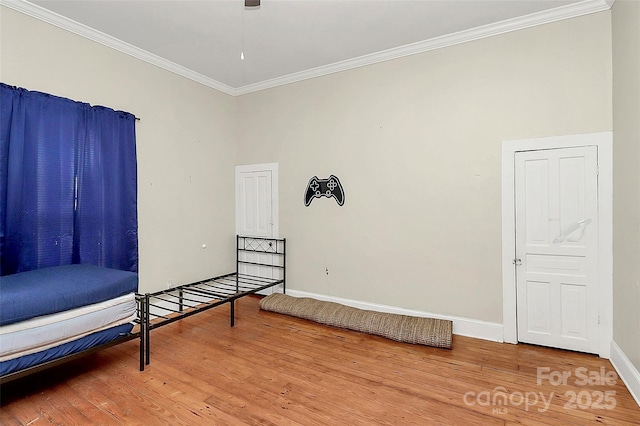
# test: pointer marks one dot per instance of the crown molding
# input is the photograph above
(573, 10)
(60, 21)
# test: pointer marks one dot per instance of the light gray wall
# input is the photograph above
(185, 142)
(416, 143)
(626, 177)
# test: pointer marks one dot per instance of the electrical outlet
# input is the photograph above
(169, 284)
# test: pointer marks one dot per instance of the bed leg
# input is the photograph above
(147, 326)
(233, 312)
(284, 266)
(141, 318)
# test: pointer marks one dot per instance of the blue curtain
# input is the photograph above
(68, 183)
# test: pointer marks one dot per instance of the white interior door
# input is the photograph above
(254, 201)
(556, 202)
(257, 212)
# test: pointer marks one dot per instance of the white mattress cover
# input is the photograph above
(37, 334)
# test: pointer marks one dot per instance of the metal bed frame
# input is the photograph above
(267, 255)
(264, 255)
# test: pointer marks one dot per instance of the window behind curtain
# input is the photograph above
(68, 183)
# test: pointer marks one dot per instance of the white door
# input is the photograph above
(257, 212)
(556, 203)
(255, 200)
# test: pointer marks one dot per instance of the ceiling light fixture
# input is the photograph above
(242, 39)
(251, 4)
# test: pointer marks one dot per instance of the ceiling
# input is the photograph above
(289, 40)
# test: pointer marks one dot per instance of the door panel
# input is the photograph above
(537, 200)
(556, 238)
(574, 303)
(535, 297)
(545, 264)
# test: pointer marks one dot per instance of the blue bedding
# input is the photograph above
(86, 342)
(49, 290)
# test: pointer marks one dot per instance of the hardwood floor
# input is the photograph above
(272, 369)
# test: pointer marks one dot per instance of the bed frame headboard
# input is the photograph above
(265, 255)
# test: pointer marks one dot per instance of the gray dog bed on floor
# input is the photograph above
(402, 328)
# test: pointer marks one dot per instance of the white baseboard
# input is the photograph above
(626, 370)
(461, 326)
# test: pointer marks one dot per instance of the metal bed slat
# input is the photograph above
(164, 309)
(196, 304)
(156, 316)
(185, 314)
(176, 303)
(246, 262)
(173, 301)
(206, 288)
(200, 291)
(219, 285)
(252, 288)
(249, 278)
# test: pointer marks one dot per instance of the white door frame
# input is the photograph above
(603, 141)
(273, 167)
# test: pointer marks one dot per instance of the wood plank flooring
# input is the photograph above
(272, 369)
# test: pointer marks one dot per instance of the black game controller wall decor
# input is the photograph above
(330, 188)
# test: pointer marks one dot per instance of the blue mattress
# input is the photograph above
(49, 290)
(86, 342)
